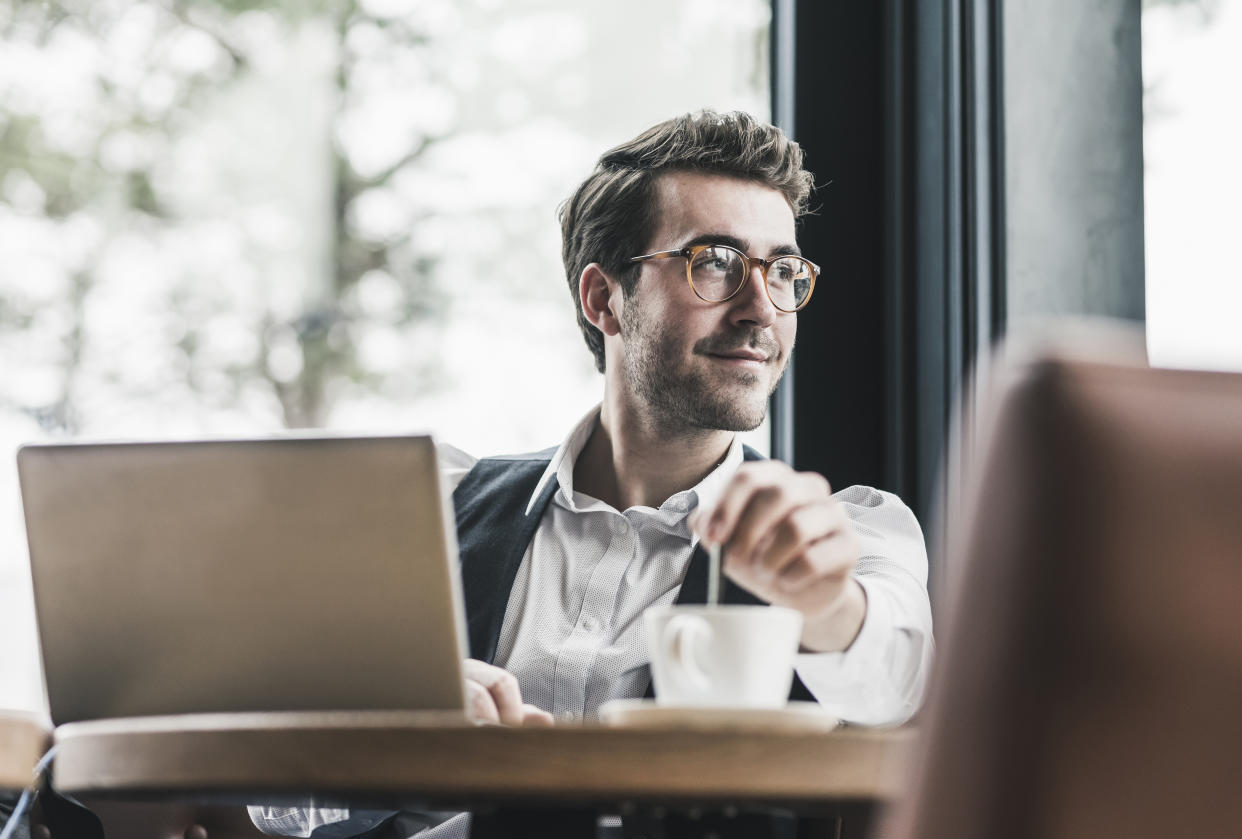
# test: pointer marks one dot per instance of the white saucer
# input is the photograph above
(645, 713)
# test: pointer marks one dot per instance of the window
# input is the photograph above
(231, 218)
(1193, 176)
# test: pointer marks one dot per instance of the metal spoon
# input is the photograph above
(713, 575)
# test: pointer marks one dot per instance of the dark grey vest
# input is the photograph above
(494, 530)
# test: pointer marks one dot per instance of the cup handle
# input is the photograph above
(682, 638)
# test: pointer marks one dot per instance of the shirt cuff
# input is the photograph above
(855, 683)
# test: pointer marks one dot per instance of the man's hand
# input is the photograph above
(493, 696)
(787, 540)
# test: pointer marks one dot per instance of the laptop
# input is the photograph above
(301, 573)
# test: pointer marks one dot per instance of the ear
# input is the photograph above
(600, 298)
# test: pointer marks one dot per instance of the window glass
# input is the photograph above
(233, 217)
(1193, 177)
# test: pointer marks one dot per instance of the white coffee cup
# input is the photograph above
(722, 656)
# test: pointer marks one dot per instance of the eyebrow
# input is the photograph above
(739, 244)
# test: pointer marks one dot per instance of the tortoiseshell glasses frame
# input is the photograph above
(715, 263)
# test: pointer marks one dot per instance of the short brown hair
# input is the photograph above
(612, 215)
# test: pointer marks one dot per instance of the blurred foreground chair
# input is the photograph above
(1091, 675)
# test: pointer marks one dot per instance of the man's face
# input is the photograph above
(700, 365)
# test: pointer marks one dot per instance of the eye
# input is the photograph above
(714, 260)
(786, 270)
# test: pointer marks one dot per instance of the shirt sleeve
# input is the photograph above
(881, 677)
(455, 464)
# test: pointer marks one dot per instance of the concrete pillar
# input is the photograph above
(1073, 123)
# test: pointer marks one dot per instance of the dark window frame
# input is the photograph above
(899, 106)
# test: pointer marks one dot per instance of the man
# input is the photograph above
(681, 255)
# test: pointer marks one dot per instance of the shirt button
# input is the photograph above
(567, 716)
(588, 625)
(620, 526)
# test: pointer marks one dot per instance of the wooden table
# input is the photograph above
(405, 760)
(24, 737)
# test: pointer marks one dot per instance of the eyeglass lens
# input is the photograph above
(718, 272)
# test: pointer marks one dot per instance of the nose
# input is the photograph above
(752, 304)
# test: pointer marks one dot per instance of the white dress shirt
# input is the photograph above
(572, 631)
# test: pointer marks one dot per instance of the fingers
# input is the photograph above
(809, 579)
(813, 580)
(493, 694)
(480, 707)
(537, 717)
(759, 495)
(791, 539)
(786, 538)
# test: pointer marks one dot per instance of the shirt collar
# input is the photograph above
(561, 466)
(708, 490)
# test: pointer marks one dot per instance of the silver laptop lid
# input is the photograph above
(248, 575)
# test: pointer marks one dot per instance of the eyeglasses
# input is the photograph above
(716, 273)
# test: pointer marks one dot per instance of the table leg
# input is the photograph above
(853, 820)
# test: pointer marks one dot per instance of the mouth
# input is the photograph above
(745, 351)
(741, 358)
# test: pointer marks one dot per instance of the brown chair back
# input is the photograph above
(1090, 681)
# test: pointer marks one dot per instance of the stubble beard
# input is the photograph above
(682, 399)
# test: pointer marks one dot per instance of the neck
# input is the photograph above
(630, 462)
